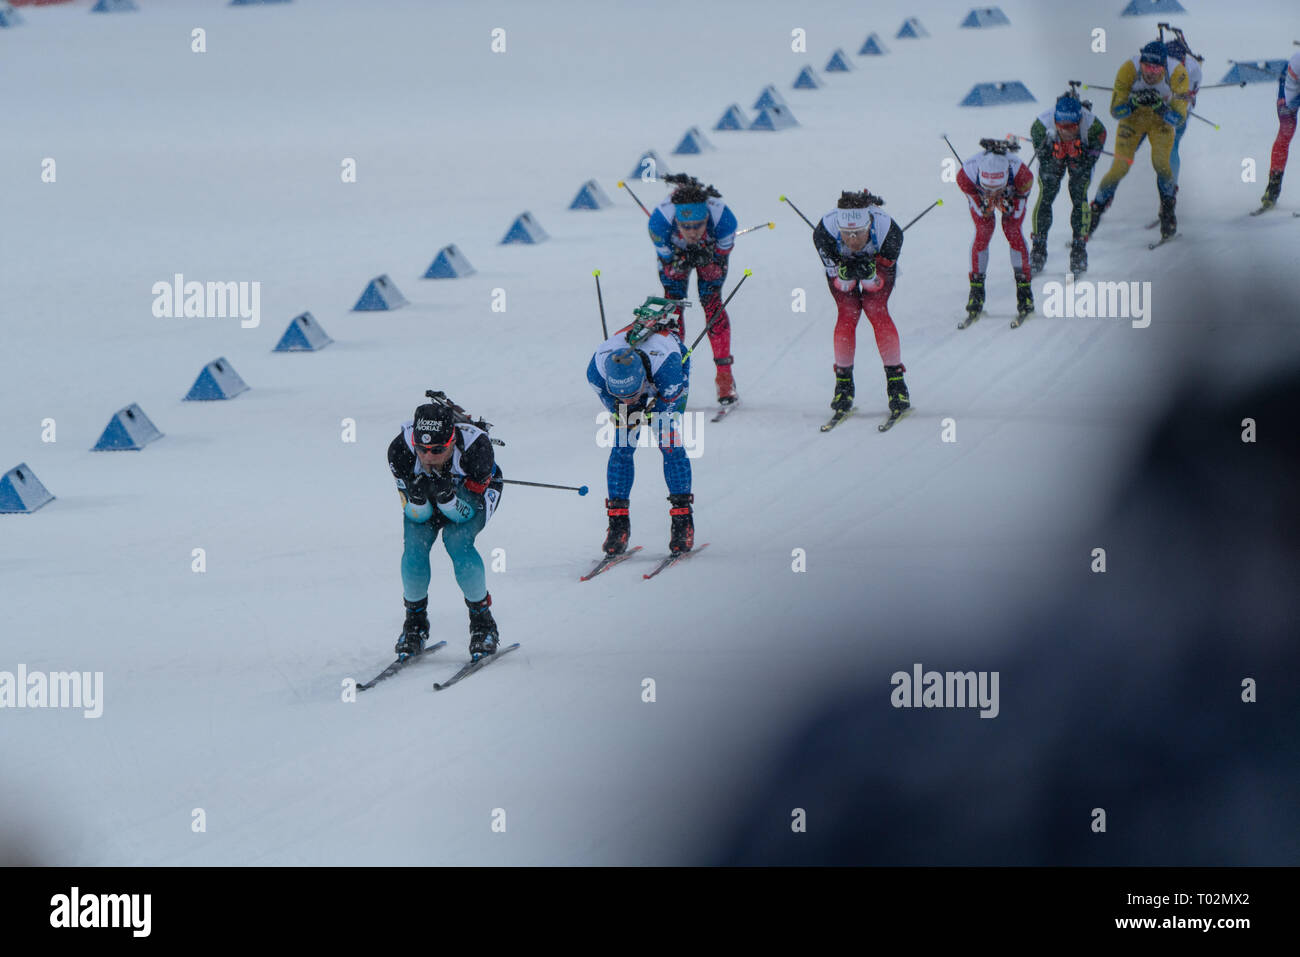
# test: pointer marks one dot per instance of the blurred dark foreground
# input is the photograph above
(1122, 691)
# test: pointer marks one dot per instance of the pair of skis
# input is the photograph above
(972, 318)
(609, 561)
(885, 425)
(465, 671)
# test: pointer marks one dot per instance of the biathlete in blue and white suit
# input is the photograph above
(694, 229)
(1177, 50)
(651, 379)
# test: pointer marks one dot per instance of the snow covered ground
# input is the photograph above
(222, 690)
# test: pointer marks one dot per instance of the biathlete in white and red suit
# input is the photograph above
(859, 244)
(996, 180)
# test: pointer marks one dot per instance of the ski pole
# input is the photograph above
(750, 229)
(1189, 112)
(937, 202)
(623, 185)
(601, 302)
(951, 147)
(796, 209)
(580, 489)
(720, 311)
(1215, 86)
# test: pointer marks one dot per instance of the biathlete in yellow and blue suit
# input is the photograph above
(1150, 102)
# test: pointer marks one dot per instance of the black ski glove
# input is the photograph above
(442, 488)
(1147, 97)
(417, 490)
(861, 267)
(700, 254)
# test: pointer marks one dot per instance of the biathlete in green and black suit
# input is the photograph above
(1067, 139)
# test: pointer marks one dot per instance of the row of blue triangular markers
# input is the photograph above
(131, 429)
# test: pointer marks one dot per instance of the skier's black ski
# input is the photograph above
(724, 411)
(672, 560)
(472, 666)
(609, 561)
(1265, 209)
(890, 419)
(970, 318)
(1163, 240)
(397, 666)
(837, 418)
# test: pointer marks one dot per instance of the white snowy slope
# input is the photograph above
(222, 690)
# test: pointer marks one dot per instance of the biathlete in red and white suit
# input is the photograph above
(1288, 105)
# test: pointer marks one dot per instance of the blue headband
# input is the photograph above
(692, 212)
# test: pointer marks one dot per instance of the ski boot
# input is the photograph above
(724, 381)
(482, 628)
(899, 400)
(1078, 256)
(1024, 296)
(975, 304)
(1159, 212)
(843, 399)
(1272, 191)
(1095, 210)
(1168, 221)
(415, 630)
(1038, 255)
(620, 526)
(682, 538)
